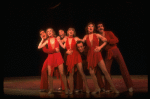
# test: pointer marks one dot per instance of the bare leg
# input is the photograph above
(61, 71)
(71, 81)
(97, 89)
(50, 79)
(79, 66)
(101, 64)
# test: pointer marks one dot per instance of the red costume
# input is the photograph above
(51, 53)
(114, 53)
(55, 59)
(74, 58)
(93, 57)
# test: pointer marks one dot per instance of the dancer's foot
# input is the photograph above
(107, 91)
(115, 91)
(130, 89)
(59, 89)
(66, 91)
(96, 91)
(71, 92)
(50, 91)
(87, 90)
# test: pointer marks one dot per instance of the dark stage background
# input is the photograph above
(24, 20)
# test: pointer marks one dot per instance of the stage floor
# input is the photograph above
(30, 87)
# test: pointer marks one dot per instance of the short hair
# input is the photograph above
(86, 28)
(73, 30)
(63, 30)
(100, 23)
(78, 42)
(41, 31)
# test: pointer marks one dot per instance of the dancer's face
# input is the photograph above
(70, 32)
(100, 28)
(43, 35)
(90, 28)
(61, 33)
(49, 32)
(80, 47)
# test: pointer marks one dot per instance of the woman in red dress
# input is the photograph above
(54, 59)
(94, 56)
(73, 58)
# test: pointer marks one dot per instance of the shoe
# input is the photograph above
(59, 89)
(50, 92)
(71, 92)
(96, 91)
(88, 92)
(116, 91)
(77, 90)
(42, 90)
(107, 91)
(66, 91)
(130, 89)
(102, 89)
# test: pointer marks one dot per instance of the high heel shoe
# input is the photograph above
(96, 91)
(130, 89)
(116, 91)
(87, 91)
(66, 92)
(71, 92)
(50, 92)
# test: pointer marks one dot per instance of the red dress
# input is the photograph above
(54, 59)
(93, 57)
(74, 58)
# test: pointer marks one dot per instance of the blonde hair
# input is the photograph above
(54, 34)
(72, 30)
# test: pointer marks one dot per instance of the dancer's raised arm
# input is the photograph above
(41, 44)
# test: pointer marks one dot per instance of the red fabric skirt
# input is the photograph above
(93, 58)
(54, 60)
(72, 60)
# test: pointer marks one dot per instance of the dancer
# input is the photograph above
(61, 36)
(113, 52)
(44, 80)
(54, 60)
(73, 58)
(83, 50)
(94, 57)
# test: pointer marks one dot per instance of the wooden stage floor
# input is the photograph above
(30, 87)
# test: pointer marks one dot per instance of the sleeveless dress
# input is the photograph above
(54, 59)
(74, 58)
(93, 57)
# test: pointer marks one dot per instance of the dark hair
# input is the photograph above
(86, 28)
(41, 31)
(62, 30)
(78, 42)
(100, 23)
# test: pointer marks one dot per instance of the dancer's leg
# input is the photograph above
(79, 66)
(50, 79)
(101, 64)
(61, 71)
(71, 81)
(92, 72)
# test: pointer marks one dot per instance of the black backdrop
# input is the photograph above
(24, 20)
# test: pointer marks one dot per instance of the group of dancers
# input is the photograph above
(70, 55)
